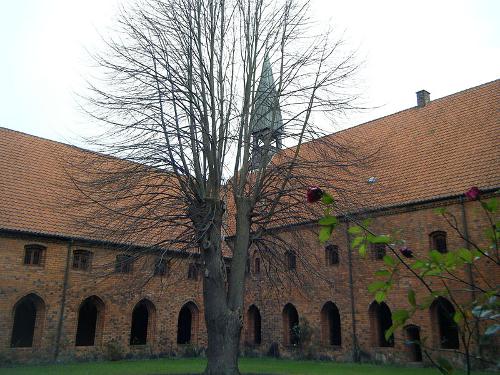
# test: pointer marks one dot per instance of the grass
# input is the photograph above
(190, 366)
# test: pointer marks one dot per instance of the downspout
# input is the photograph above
(63, 300)
(470, 273)
(355, 348)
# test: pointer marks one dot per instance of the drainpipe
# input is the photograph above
(470, 273)
(355, 349)
(63, 301)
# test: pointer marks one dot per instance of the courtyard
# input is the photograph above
(195, 365)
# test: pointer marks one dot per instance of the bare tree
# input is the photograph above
(188, 99)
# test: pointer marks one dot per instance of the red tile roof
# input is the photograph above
(441, 149)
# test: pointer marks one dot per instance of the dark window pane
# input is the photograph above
(193, 271)
(33, 254)
(27, 257)
(291, 260)
(257, 266)
(36, 257)
(81, 260)
(331, 255)
(378, 251)
(123, 263)
(438, 241)
(161, 268)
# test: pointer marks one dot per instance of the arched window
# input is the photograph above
(330, 325)
(187, 324)
(82, 260)
(413, 343)
(29, 313)
(445, 328)
(142, 322)
(90, 322)
(291, 260)
(438, 241)
(331, 255)
(34, 255)
(380, 322)
(254, 326)
(290, 325)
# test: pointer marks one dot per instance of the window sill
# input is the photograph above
(333, 347)
(78, 270)
(23, 348)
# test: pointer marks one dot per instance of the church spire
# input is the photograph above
(266, 123)
(267, 113)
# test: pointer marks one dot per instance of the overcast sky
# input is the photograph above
(440, 46)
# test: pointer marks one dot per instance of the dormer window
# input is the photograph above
(331, 255)
(82, 260)
(34, 255)
(438, 241)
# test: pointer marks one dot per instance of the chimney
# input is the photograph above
(423, 98)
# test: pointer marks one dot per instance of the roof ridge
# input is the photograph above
(461, 92)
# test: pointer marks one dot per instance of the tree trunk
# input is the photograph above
(223, 344)
(223, 310)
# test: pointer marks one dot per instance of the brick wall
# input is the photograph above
(312, 285)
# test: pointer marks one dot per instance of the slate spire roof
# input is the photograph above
(267, 107)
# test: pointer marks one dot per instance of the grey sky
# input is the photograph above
(440, 46)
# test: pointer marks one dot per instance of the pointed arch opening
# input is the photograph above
(413, 343)
(290, 324)
(90, 322)
(445, 328)
(254, 326)
(29, 314)
(142, 327)
(380, 322)
(187, 324)
(330, 325)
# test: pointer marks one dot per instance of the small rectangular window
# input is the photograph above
(291, 259)
(438, 241)
(161, 267)
(123, 263)
(33, 255)
(256, 268)
(378, 251)
(81, 260)
(193, 271)
(332, 255)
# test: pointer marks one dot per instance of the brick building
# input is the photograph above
(65, 293)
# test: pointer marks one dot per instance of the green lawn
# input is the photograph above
(186, 366)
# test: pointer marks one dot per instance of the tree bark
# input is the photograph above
(223, 310)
